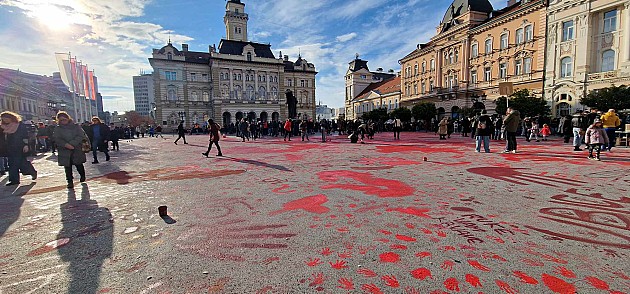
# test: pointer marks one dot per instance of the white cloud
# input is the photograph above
(346, 37)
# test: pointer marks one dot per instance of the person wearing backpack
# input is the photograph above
(215, 136)
(483, 131)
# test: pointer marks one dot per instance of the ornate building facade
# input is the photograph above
(359, 78)
(239, 79)
(588, 49)
(476, 51)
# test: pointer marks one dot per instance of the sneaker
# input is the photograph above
(220, 154)
(204, 154)
(591, 157)
(70, 185)
(34, 176)
(82, 180)
(514, 151)
(95, 162)
(12, 183)
(175, 143)
(506, 151)
(597, 159)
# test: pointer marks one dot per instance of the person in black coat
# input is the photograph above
(98, 133)
(181, 132)
(16, 142)
(4, 162)
(484, 128)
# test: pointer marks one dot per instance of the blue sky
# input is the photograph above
(115, 37)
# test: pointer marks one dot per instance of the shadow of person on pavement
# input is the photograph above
(90, 231)
(10, 205)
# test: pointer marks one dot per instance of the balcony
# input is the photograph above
(600, 76)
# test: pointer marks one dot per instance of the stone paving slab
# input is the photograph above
(308, 217)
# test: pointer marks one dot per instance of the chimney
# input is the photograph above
(185, 47)
(286, 58)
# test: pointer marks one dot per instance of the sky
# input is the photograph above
(116, 37)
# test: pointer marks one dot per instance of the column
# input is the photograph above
(231, 78)
(256, 85)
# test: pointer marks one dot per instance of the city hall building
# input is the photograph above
(238, 79)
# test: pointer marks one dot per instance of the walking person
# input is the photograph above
(397, 128)
(69, 137)
(443, 128)
(215, 136)
(304, 130)
(534, 130)
(16, 142)
(576, 124)
(4, 161)
(98, 133)
(244, 129)
(545, 132)
(610, 120)
(181, 133)
(158, 132)
(511, 122)
(287, 129)
(596, 137)
(483, 131)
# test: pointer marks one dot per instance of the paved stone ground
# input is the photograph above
(294, 217)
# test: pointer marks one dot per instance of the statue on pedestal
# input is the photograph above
(291, 104)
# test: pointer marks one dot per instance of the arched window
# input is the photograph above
(250, 93)
(529, 33)
(608, 60)
(424, 66)
(504, 41)
(566, 67)
(563, 109)
(206, 96)
(194, 96)
(249, 56)
(237, 92)
(262, 93)
(274, 93)
(225, 91)
(474, 50)
(488, 46)
(172, 94)
(415, 70)
(396, 105)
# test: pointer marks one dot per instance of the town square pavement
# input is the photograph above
(416, 215)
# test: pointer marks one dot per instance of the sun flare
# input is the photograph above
(52, 17)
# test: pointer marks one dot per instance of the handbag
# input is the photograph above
(86, 146)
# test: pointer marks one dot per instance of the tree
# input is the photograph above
(526, 104)
(403, 113)
(135, 119)
(612, 97)
(376, 115)
(424, 111)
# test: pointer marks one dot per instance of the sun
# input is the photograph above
(51, 16)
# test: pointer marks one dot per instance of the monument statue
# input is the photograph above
(291, 104)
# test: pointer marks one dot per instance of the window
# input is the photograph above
(396, 105)
(423, 88)
(487, 74)
(424, 66)
(204, 77)
(206, 96)
(415, 70)
(170, 75)
(172, 94)
(432, 64)
(474, 50)
(566, 67)
(302, 83)
(249, 56)
(451, 58)
(527, 62)
(193, 77)
(503, 70)
(194, 96)
(415, 89)
(363, 77)
(610, 21)
(488, 46)
(567, 31)
(608, 60)
(473, 76)
(504, 41)
(520, 36)
(169, 56)
(518, 67)
(290, 82)
(529, 33)
(431, 86)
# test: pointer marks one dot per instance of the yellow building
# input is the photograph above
(475, 50)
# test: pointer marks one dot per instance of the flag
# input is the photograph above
(86, 82)
(92, 88)
(79, 75)
(75, 76)
(65, 69)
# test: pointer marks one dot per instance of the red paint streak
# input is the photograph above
(313, 262)
(448, 265)
(326, 251)
(565, 272)
(448, 248)
(525, 278)
(423, 254)
(478, 266)
(532, 262)
(405, 238)
(498, 257)
(343, 230)
(339, 264)
(50, 246)
(597, 283)
(385, 232)
(347, 254)
(371, 288)
(441, 234)
(382, 240)
(317, 279)
(496, 239)
(410, 226)
(389, 257)
(283, 187)
(345, 284)
(473, 280)
(421, 274)
(438, 292)
(398, 246)
(391, 281)
(558, 285)
(311, 204)
(426, 231)
(462, 209)
(506, 287)
(371, 185)
(419, 212)
(452, 284)
(367, 273)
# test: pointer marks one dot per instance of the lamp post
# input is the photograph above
(182, 116)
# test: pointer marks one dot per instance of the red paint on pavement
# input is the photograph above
(478, 266)
(597, 283)
(506, 287)
(50, 246)
(380, 187)
(452, 284)
(564, 272)
(421, 274)
(423, 254)
(525, 278)
(558, 285)
(405, 238)
(311, 204)
(389, 257)
(420, 212)
(345, 284)
(367, 273)
(371, 288)
(391, 281)
(339, 264)
(473, 280)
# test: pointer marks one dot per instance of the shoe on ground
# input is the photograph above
(537, 140)
(204, 154)
(34, 176)
(107, 158)
(175, 143)
(514, 151)
(597, 158)
(220, 154)
(12, 183)
(70, 185)
(82, 179)
(577, 149)
(506, 151)
(185, 143)
(95, 162)
(591, 157)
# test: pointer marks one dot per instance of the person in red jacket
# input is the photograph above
(545, 132)
(287, 129)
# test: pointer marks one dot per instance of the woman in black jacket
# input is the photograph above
(483, 131)
(98, 133)
(4, 163)
(17, 147)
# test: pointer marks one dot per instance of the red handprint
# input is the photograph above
(367, 273)
(478, 266)
(565, 272)
(448, 265)
(345, 284)
(317, 279)
(346, 254)
(421, 274)
(441, 234)
(505, 287)
(448, 248)
(452, 284)
(473, 280)
(391, 281)
(313, 262)
(423, 254)
(525, 278)
(426, 231)
(339, 264)
(326, 251)
(371, 288)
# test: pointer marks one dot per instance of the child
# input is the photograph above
(595, 138)
(534, 131)
(545, 132)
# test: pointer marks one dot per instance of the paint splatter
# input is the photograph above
(311, 204)
(506, 287)
(564, 272)
(525, 278)
(405, 238)
(478, 266)
(339, 264)
(421, 274)
(367, 273)
(389, 257)
(419, 212)
(371, 288)
(50, 246)
(597, 283)
(423, 254)
(345, 284)
(391, 281)
(452, 284)
(473, 280)
(558, 285)
(371, 185)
